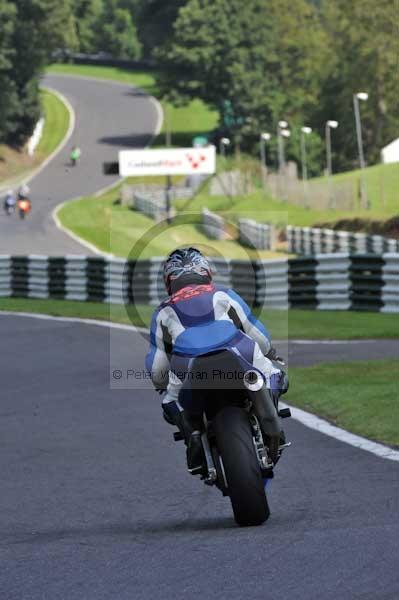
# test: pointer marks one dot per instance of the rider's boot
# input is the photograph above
(190, 433)
(195, 452)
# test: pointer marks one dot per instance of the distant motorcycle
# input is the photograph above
(241, 432)
(75, 156)
(9, 209)
(9, 203)
(24, 207)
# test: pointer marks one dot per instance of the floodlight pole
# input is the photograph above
(264, 137)
(304, 132)
(168, 198)
(282, 131)
(356, 97)
(330, 124)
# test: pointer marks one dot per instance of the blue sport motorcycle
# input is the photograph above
(236, 412)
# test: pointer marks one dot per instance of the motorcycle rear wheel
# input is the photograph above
(245, 484)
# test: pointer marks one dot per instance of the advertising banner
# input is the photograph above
(176, 161)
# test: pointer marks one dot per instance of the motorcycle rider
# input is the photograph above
(24, 203)
(9, 202)
(75, 155)
(23, 192)
(194, 300)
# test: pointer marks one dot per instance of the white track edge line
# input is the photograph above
(97, 322)
(74, 236)
(318, 424)
(305, 418)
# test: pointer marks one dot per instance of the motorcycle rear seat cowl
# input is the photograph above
(203, 339)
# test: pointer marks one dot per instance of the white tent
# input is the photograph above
(390, 154)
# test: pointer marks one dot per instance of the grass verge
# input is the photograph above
(184, 122)
(81, 310)
(16, 165)
(56, 123)
(358, 396)
(382, 184)
(124, 232)
(297, 324)
(262, 207)
(143, 79)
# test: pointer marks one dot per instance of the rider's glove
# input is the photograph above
(272, 354)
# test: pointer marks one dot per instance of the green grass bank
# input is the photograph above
(121, 231)
(358, 396)
(295, 324)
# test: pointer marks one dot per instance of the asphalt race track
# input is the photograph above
(109, 117)
(95, 502)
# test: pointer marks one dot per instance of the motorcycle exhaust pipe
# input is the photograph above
(253, 381)
(265, 410)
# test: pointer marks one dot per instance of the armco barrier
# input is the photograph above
(153, 203)
(324, 281)
(308, 241)
(254, 234)
(272, 284)
(390, 277)
(213, 225)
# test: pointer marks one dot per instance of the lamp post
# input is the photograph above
(330, 125)
(168, 124)
(363, 96)
(282, 126)
(222, 146)
(282, 132)
(264, 137)
(304, 132)
(224, 142)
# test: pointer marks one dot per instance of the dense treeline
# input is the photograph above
(256, 61)
(107, 26)
(260, 61)
(29, 31)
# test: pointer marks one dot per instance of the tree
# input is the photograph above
(33, 29)
(256, 62)
(107, 26)
(8, 94)
(116, 32)
(87, 13)
(364, 49)
(155, 22)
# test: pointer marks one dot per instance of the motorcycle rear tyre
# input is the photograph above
(245, 484)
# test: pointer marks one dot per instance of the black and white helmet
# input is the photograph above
(187, 264)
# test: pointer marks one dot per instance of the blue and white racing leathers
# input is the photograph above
(194, 309)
